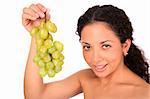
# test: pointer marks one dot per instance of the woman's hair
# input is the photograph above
(121, 25)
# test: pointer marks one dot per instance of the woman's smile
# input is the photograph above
(100, 68)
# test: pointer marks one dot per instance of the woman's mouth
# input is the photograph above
(100, 68)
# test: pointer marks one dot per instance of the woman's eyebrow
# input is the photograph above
(105, 41)
(85, 43)
(100, 42)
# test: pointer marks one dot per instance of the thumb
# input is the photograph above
(47, 14)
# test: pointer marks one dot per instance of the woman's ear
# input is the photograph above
(126, 45)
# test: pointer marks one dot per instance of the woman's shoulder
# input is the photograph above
(148, 86)
(86, 72)
(149, 90)
(143, 87)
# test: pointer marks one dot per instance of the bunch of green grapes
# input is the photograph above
(49, 57)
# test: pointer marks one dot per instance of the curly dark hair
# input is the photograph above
(121, 25)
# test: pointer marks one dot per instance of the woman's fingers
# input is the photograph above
(37, 10)
(30, 12)
(47, 14)
(34, 11)
(28, 16)
(27, 24)
(41, 7)
(33, 15)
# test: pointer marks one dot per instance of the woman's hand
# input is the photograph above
(33, 15)
(34, 87)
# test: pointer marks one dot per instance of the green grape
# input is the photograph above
(42, 72)
(59, 46)
(50, 37)
(36, 58)
(42, 24)
(51, 73)
(34, 31)
(56, 54)
(51, 50)
(51, 27)
(42, 54)
(57, 69)
(41, 63)
(47, 58)
(38, 36)
(61, 57)
(60, 63)
(43, 33)
(43, 49)
(39, 42)
(48, 43)
(49, 65)
(55, 61)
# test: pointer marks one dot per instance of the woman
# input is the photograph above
(118, 68)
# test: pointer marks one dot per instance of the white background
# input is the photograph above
(15, 40)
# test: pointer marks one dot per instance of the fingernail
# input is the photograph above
(42, 15)
(37, 15)
(44, 9)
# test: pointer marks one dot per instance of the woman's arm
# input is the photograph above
(33, 84)
(34, 88)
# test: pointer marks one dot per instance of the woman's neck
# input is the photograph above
(121, 75)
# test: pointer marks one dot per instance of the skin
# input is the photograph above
(102, 51)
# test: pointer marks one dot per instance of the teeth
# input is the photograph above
(100, 67)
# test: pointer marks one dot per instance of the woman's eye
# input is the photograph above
(106, 46)
(86, 48)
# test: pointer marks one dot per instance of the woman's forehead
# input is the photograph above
(98, 31)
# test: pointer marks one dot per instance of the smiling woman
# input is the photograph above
(106, 36)
(116, 63)
(112, 27)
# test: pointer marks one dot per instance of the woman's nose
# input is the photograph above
(97, 56)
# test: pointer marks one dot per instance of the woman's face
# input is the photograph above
(102, 49)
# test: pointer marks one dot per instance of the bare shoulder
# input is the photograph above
(147, 90)
(86, 74)
(148, 86)
(87, 79)
(72, 85)
(143, 88)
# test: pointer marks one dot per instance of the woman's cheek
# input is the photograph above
(114, 57)
(87, 57)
